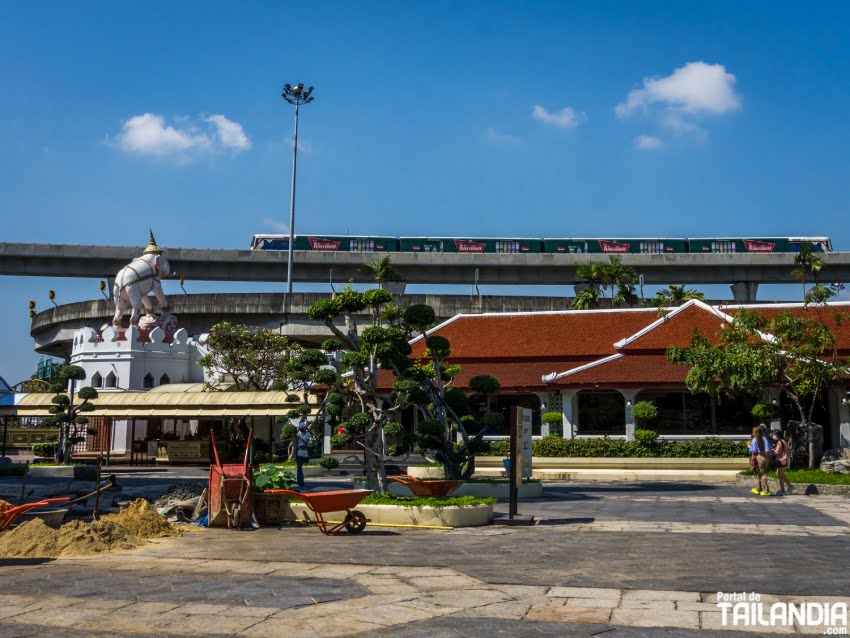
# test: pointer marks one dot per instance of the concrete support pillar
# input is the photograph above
(630, 396)
(394, 287)
(745, 291)
(110, 283)
(570, 409)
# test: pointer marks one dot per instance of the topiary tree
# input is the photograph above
(70, 419)
(644, 412)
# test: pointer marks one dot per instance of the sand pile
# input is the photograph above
(142, 520)
(75, 538)
(116, 531)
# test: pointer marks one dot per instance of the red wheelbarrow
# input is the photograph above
(9, 513)
(426, 487)
(335, 501)
(229, 492)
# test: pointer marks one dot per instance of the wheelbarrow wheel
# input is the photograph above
(355, 522)
(234, 516)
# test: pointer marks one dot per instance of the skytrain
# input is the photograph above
(520, 245)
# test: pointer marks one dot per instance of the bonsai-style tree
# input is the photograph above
(69, 418)
(555, 421)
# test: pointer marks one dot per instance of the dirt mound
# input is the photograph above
(142, 520)
(35, 539)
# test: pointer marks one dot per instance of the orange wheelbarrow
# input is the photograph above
(9, 513)
(321, 503)
(426, 487)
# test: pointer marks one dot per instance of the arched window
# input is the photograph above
(111, 381)
(147, 384)
(97, 380)
(164, 380)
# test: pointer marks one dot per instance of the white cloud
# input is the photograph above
(567, 117)
(648, 142)
(230, 133)
(498, 137)
(303, 145)
(696, 88)
(149, 134)
(678, 101)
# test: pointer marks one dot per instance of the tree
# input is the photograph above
(382, 271)
(251, 359)
(754, 353)
(675, 295)
(70, 419)
(376, 345)
(621, 279)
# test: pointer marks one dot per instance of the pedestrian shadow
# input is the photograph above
(565, 521)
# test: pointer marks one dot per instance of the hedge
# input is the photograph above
(555, 446)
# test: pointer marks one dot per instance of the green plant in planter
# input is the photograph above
(44, 449)
(646, 438)
(341, 441)
(554, 420)
(329, 462)
(273, 477)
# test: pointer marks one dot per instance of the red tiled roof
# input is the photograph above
(677, 329)
(627, 369)
(513, 376)
(529, 336)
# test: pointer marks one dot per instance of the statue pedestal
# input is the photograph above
(120, 333)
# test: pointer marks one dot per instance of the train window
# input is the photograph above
(507, 247)
(362, 245)
(723, 247)
(654, 247)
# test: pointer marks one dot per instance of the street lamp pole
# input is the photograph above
(294, 95)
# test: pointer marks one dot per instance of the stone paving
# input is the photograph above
(575, 574)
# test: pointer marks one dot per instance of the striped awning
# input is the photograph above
(169, 405)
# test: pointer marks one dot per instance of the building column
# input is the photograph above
(744, 291)
(842, 397)
(544, 407)
(570, 411)
(630, 396)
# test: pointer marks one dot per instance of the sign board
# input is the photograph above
(523, 445)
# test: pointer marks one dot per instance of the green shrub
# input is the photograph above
(426, 501)
(393, 429)
(555, 446)
(329, 462)
(646, 437)
(272, 477)
(287, 432)
(47, 450)
(341, 441)
(644, 412)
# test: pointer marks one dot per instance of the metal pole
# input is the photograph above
(292, 207)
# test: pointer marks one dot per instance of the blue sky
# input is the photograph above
(446, 118)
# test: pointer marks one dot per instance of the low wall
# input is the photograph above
(801, 488)
(647, 463)
(472, 516)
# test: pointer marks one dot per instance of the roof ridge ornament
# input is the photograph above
(152, 248)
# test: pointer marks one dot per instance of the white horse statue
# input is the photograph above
(135, 280)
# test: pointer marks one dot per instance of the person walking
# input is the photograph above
(760, 448)
(780, 454)
(302, 453)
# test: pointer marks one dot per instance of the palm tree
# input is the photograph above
(587, 299)
(382, 271)
(624, 278)
(594, 274)
(675, 295)
(808, 265)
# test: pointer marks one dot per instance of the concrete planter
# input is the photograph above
(51, 471)
(481, 490)
(271, 509)
(472, 516)
(426, 471)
